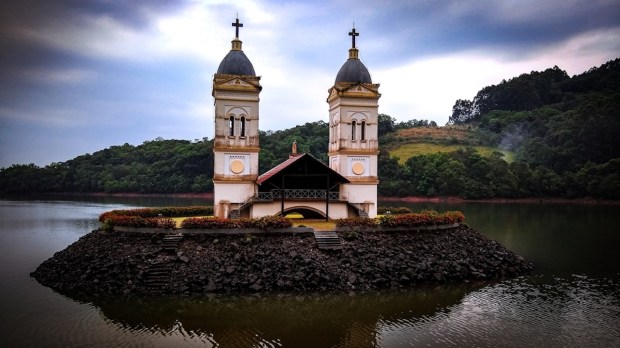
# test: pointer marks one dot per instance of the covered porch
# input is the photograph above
(301, 184)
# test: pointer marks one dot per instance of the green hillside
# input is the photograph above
(406, 151)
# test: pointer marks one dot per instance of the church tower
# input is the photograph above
(353, 131)
(236, 90)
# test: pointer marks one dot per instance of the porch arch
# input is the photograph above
(307, 212)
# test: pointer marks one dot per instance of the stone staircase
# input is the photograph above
(158, 274)
(360, 212)
(328, 240)
(172, 242)
(234, 214)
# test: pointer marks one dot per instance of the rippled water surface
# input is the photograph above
(571, 300)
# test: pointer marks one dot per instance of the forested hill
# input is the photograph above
(158, 166)
(563, 134)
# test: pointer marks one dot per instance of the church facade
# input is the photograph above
(345, 187)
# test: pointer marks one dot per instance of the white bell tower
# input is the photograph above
(236, 90)
(353, 131)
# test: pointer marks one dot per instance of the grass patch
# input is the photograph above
(441, 134)
(317, 224)
(407, 151)
(179, 220)
(294, 216)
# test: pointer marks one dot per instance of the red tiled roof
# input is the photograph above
(275, 170)
(280, 167)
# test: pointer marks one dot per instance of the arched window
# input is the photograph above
(363, 130)
(353, 130)
(242, 126)
(231, 126)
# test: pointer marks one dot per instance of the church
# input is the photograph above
(345, 187)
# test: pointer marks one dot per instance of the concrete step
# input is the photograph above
(328, 240)
(158, 275)
(172, 242)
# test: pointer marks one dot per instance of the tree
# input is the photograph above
(462, 112)
(386, 124)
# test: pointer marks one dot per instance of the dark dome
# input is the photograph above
(236, 63)
(353, 70)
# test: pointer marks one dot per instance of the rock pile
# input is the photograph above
(124, 263)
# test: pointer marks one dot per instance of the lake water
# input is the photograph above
(572, 299)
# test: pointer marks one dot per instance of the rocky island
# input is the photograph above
(124, 263)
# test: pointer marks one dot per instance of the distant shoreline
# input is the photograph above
(498, 200)
(405, 199)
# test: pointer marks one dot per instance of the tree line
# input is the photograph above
(158, 166)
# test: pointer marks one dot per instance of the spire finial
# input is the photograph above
(237, 25)
(353, 34)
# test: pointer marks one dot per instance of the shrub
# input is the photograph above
(349, 235)
(393, 210)
(409, 220)
(455, 216)
(265, 223)
(424, 218)
(156, 212)
(137, 221)
(166, 223)
(271, 222)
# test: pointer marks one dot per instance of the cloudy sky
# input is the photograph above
(77, 76)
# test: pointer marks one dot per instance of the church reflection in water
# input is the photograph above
(289, 320)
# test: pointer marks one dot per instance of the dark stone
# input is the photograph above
(256, 287)
(211, 286)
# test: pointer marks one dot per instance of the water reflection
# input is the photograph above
(523, 312)
(317, 320)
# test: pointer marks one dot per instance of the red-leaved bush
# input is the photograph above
(357, 222)
(424, 218)
(264, 223)
(158, 212)
(137, 221)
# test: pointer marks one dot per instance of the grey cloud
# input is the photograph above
(420, 28)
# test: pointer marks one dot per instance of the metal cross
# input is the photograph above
(237, 25)
(353, 34)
